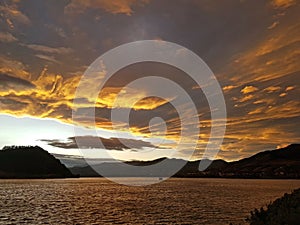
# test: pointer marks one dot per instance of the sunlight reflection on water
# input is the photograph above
(99, 201)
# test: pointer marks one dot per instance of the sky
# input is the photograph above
(252, 47)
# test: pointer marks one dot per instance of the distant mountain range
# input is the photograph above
(78, 161)
(281, 163)
(34, 162)
(30, 162)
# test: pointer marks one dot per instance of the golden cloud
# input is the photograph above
(51, 95)
(272, 89)
(271, 58)
(118, 97)
(114, 7)
(249, 89)
(290, 88)
(289, 109)
(229, 88)
(246, 98)
(11, 66)
(283, 95)
(283, 3)
(47, 49)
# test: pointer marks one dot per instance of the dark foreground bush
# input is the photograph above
(283, 211)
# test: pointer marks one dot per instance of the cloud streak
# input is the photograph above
(114, 7)
(7, 37)
(92, 142)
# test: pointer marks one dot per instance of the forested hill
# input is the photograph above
(30, 162)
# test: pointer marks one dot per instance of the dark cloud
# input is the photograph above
(12, 105)
(8, 82)
(93, 142)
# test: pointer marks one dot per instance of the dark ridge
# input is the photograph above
(30, 162)
(273, 164)
(280, 163)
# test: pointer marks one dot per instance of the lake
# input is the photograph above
(99, 201)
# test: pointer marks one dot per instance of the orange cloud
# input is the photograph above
(249, 89)
(290, 88)
(17, 68)
(256, 111)
(119, 97)
(45, 96)
(150, 103)
(283, 3)
(272, 89)
(289, 109)
(282, 145)
(271, 58)
(47, 49)
(229, 88)
(114, 7)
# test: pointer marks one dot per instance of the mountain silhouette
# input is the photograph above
(281, 163)
(30, 162)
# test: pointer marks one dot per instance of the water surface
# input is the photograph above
(99, 201)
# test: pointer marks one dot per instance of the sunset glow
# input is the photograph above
(47, 46)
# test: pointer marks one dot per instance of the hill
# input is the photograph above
(30, 162)
(280, 163)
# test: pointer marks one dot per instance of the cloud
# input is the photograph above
(137, 99)
(47, 58)
(290, 88)
(14, 67)
(93, 142)
(272, 89)
(150, 103)
(11, 105)
(257, 135)
(114, 7)
(268, 113)
(249, 89)
(7, 37)
(246, 98)
(273, 56)
(273, 25)
(49, 95)
(283, 4)
(282, 94)
(12, 15)
(282, 146)
(47, 49)
(14, 84)
(229, 88)
(257, 68)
